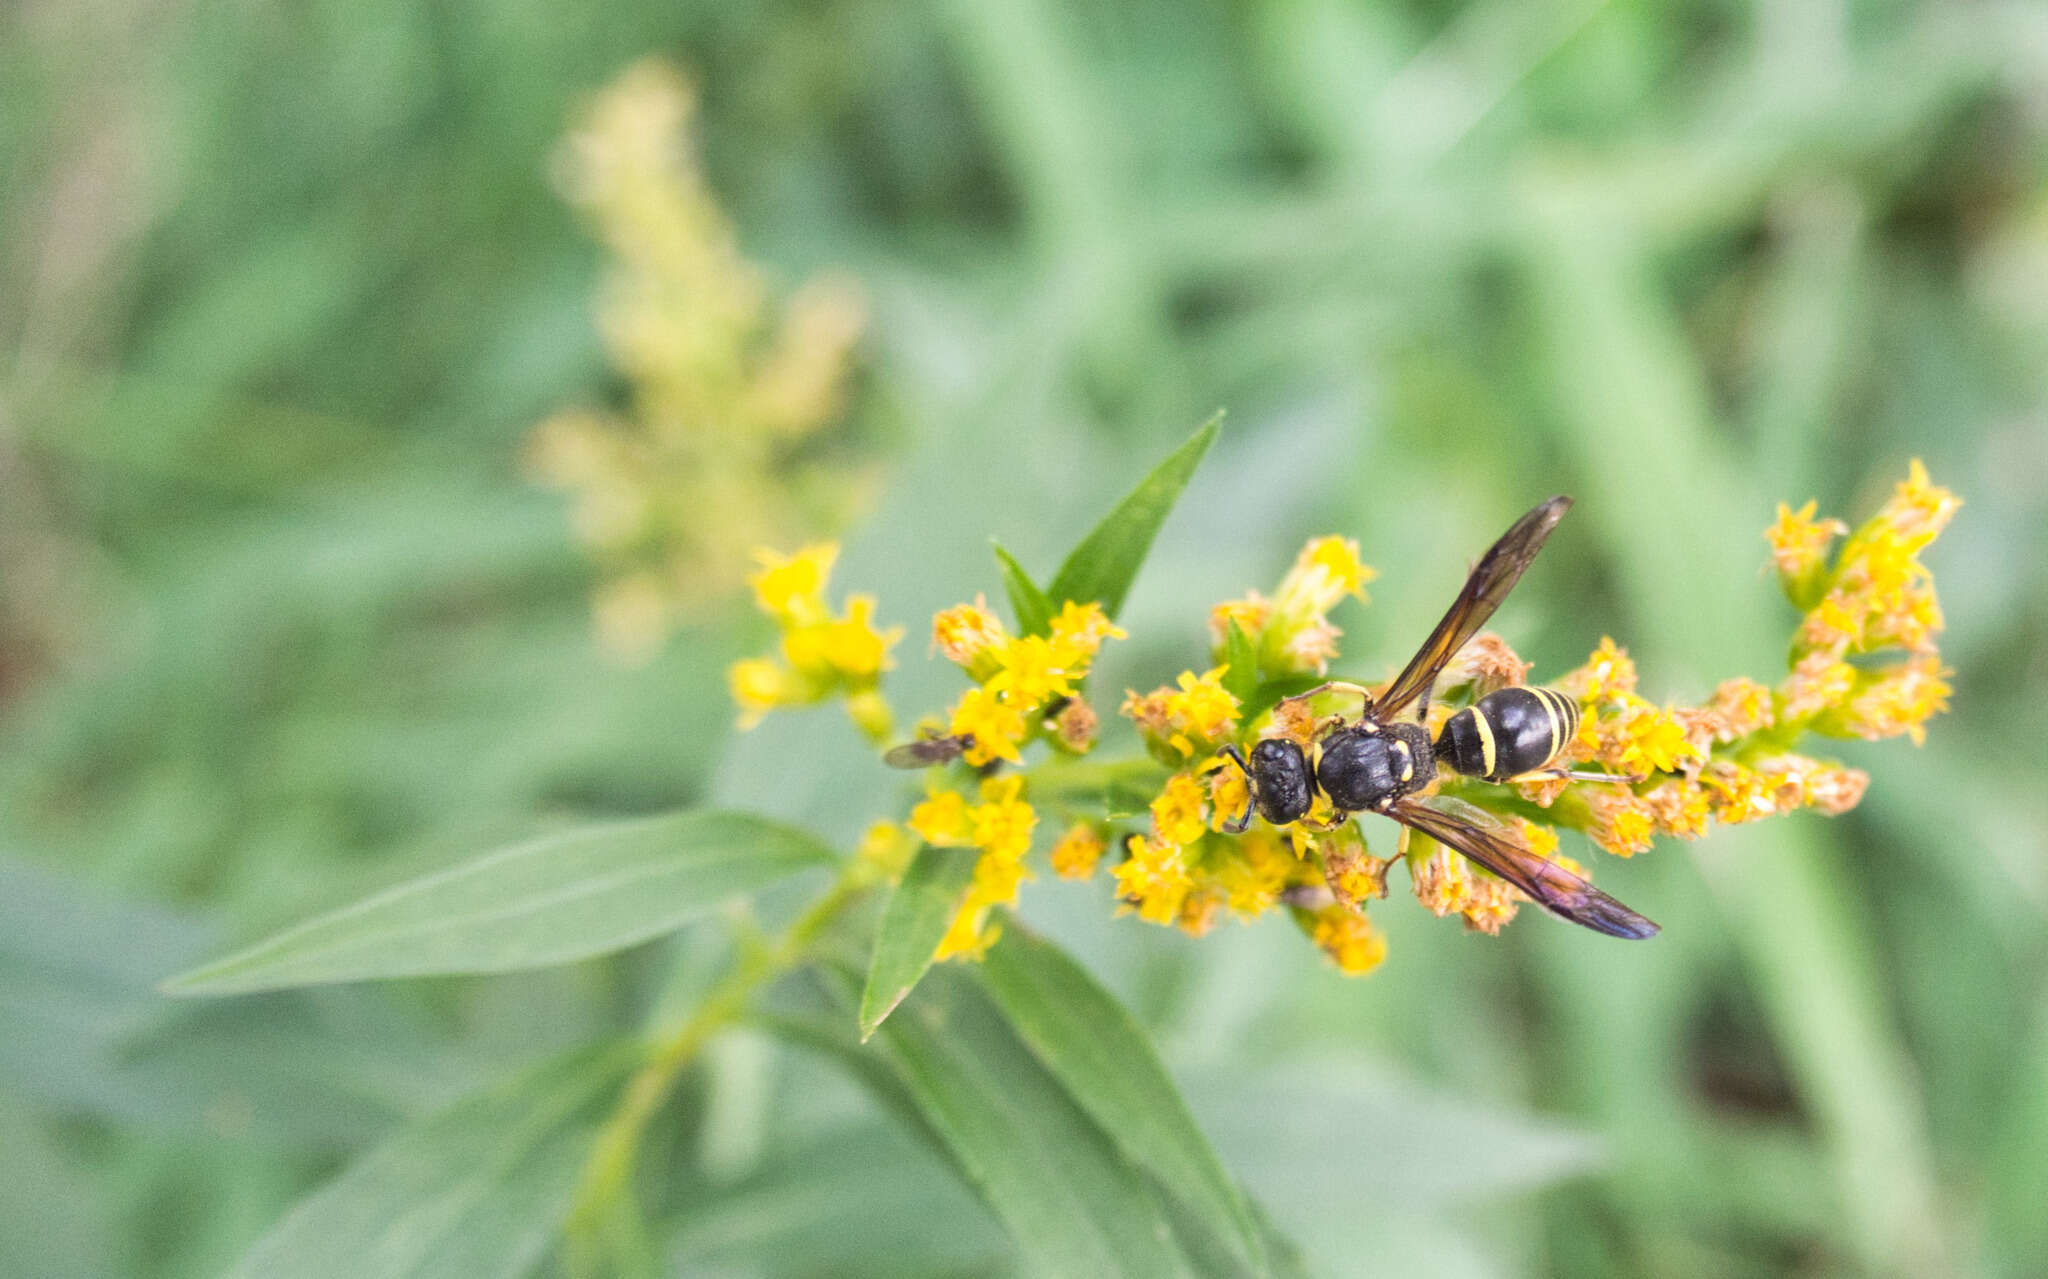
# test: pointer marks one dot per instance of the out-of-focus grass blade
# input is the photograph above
(819, 1208)
(49, 1212)
(1635, 407)
(1034, 611)
(1107, 561)
(564, 897)
(1072, 1202)
(477, 1190)
(1107, 1064)
(912, 924)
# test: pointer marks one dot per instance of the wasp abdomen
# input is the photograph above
(1508, 732)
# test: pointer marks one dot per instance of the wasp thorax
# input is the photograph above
(1367, 765)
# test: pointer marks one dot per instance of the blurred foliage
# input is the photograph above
(280, 621)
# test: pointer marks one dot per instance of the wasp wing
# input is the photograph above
(925, 752)
(1496, 574)
(1543, 881)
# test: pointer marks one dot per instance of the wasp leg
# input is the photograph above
(1422, 702)
(1338, 686)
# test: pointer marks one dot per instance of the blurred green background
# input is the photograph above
(283, 289)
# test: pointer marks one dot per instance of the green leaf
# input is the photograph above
(477, 1190)
(916, 917)
(1241, 659)
(570, 896)
(1269, 693)
(1106, 562)
(1034, 611)
(1071, 1201)
(1105, 1060)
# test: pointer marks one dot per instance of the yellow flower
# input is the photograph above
(1352, 873)
(1680, 807)
(1442, 879)
(1608, 672)
(760, 685)
(1000, 826)
(996, 879)
(853, 645)
(1196, 716)
(1177, 812)
(965, 632)
(1818, 681)
(1031, 672)
(1327, 570)
(1835, 624)
(1622, 824)
(1918, 509)
(1745, 704)
(1252, 874)
(1490, 905)
(1656, 743)
(1250, 614)
(1349, 939)
(1077, 632)
(822, 656)
(1153, 880)
(1202, 710)
(1799, 547)
(1735, 793)
(1835, 790)
(791, 588)
(943, 820)
(996, 726)
(1540, 840)
(1002, 823)
(1898, 699)
(1077, 853)
(1198, 910)
(969, 936)
(1228, 793)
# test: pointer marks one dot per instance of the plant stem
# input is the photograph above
(602, 1209)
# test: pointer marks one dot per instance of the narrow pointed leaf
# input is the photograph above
(478, 1190)
(916, 917)
(1074, 1204)
(1106, 1062)
(1241, 662)
(564, 897)
(1106, 562)
(1034, 611)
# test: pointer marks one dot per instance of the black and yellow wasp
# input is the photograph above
(1378, 764)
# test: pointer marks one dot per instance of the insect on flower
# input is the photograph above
(1379, 764)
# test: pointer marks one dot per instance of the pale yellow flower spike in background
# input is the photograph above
(671, 494)
(1734, 759)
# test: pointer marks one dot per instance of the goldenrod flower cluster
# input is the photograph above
(823, 655)
(1291, 631)
(713, 453)
(1733, 759)
(1026, 686)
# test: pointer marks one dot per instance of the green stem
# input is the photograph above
(601, 1217)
